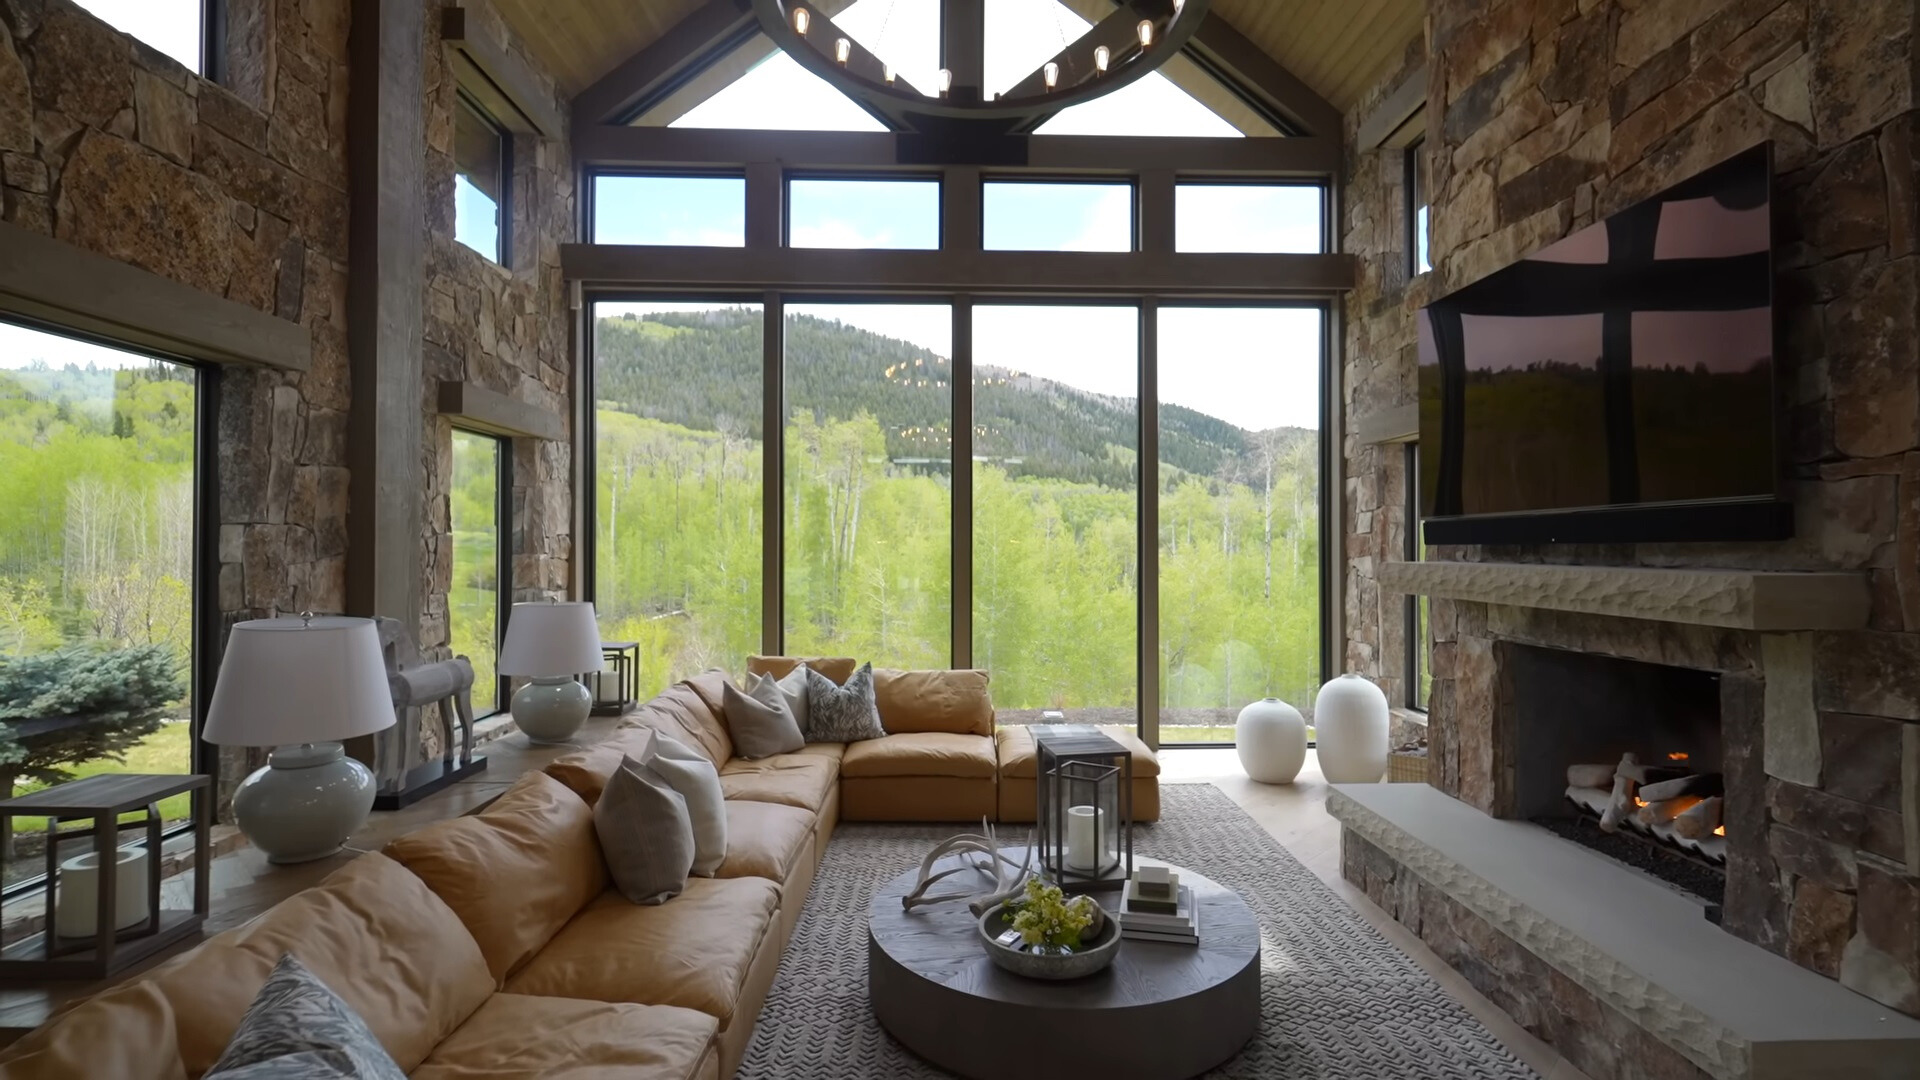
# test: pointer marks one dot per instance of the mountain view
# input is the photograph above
(866, 518)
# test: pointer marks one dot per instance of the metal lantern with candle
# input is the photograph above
(1085, 807)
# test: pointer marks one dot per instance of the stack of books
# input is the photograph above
(1156, 907)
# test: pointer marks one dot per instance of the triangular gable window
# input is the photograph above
(769, 90)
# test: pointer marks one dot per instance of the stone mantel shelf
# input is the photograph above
(1777, 601)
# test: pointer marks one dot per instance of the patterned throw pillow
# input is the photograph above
(842, 713)
(297, 1029)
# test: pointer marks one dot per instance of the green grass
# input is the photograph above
(167, 751)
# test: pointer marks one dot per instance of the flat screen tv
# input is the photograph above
(1617, 386)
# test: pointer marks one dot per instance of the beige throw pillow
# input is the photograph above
(698, 782)
(645, 834)
(793, 685)
(759, 720)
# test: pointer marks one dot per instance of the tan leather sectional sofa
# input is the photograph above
(491, 947)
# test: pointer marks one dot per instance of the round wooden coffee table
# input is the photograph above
(1161, 1012)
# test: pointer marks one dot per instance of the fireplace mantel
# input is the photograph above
(1776, 601)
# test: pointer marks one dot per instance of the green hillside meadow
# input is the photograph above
(866, 519)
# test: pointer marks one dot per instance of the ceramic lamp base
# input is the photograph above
(551, 710)
(305, 803)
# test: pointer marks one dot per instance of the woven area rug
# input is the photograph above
(1338, 1000)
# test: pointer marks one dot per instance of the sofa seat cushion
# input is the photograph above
(934, 700)
(801, 780)
(833, 750)
(921, 753)
(1020, 754)
(693, 951)
(765, 839)
(521, 1037)
(515, 872)
(372, 932)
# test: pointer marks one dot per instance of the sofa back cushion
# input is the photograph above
(837, 668)
(586, 772)
(516, 872)
(682, 713)
(127, 1033)
(940, 700)
(374, 933)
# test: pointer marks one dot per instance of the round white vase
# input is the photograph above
(1271, 737)
(1350, 730)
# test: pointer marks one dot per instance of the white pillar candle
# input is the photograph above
(1083, 829)
(78, 904)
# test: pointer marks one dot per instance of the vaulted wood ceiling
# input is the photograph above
(1338, 47)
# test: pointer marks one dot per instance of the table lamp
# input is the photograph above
(551, 642)
(300, 685)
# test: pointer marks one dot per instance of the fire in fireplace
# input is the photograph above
(1668, 802)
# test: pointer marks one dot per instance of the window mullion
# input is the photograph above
(961, 425)
(773, 442)
(1148, 543)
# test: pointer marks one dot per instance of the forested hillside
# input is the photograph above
(866, 509)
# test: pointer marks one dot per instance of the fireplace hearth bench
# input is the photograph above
(492, 945)
(1729, 1008)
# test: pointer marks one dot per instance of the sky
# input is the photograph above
(22, 346)
(172, 26)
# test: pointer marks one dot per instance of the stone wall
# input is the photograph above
(1544, 116)
(501, 327)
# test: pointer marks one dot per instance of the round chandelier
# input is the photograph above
(1138, 37)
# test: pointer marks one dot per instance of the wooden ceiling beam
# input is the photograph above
(609, 147)
(1075, 273)
(1393, 111)
(677, 55)
(1229, 56)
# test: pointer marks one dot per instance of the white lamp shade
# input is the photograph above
(300, 680)
(551, 639)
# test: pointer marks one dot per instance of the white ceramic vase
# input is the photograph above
(1271, 737)
(1350, 730)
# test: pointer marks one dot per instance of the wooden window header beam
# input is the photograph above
(610, 148)
(988, 273)
(54, 282)
(473, 406)
(1385, 123)
(498, 79)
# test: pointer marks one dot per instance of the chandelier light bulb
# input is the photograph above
(946, 80)
(889, 73)
(1177, 5)
(1101, 56)
(1051, 73)
(802, 20)
(842, 49)
(1145, 30)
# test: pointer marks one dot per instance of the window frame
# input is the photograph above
(502, 555)
(773, 304)
(1417, 632)
(1415, 198)
(1131, 183)
(590, 194)
(207, 624)
(1328, 228)
(504, 204)
(788, 176)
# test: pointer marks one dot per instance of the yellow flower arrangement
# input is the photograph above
(1047, 918)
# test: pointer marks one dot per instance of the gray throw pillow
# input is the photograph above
(793, 686)
(759, 720)
(690, 773)
(645, 834)
(297, 1029)
(842, 713)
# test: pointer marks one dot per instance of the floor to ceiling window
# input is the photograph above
(473, 601)
(677, 467)
(1056, 423)
(97, 586)
(1239, 528)
(868, 486)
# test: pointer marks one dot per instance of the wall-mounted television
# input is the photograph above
(1617, 386)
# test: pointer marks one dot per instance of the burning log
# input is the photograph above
(1631, 768)
(1593, 776)
(1664, 810)
(1700, 820)
(1700, 785)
